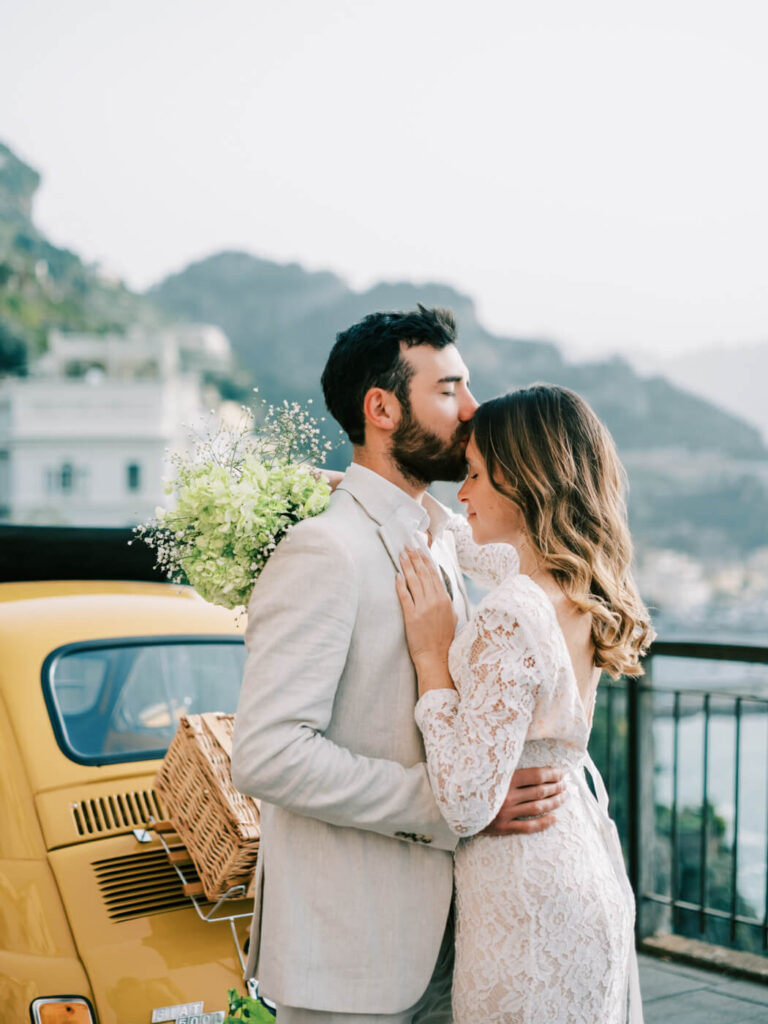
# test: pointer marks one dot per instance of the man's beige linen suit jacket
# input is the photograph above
(355, 873)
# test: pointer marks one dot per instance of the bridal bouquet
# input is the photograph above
(237, 494)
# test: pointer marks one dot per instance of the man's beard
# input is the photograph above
(422, 456)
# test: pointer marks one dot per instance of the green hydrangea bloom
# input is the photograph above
(236, 497)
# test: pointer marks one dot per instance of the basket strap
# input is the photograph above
(219, 730)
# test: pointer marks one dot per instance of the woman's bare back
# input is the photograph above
(577, 632)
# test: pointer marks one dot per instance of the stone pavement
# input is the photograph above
(674, 993)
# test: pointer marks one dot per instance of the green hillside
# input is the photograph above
(43, 286)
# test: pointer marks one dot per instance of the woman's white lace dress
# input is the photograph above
(544, 921)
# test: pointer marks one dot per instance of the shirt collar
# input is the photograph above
(382, 499)
(438, 515)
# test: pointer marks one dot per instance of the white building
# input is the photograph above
(84, 439)
(673, 581)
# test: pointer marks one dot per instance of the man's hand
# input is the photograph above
(534, 795)
(332, 476)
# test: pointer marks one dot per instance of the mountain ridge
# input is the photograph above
(716, 512)
(282, 320)
(308, 308)
(732, 378)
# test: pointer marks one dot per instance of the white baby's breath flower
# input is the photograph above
(237, 496)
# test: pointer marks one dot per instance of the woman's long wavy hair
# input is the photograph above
(547, 451)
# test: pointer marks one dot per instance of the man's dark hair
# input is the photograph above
(368, 355)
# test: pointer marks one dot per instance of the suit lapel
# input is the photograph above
(397, 535)
(395, 527)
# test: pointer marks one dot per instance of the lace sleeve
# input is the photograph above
(486, 564)
(474, 741)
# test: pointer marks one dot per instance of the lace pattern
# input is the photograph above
(486, 564)
(544, 922)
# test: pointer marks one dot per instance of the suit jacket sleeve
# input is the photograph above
(300, 621)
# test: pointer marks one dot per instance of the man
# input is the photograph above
(354, 883)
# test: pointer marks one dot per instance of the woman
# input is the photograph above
(544, 921)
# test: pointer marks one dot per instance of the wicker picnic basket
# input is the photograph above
(218, 825)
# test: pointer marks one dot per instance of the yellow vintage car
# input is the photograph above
(94, 924)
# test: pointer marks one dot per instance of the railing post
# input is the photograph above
(641, 825)
(633, 791)
(684, 906)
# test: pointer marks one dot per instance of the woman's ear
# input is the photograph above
(381, 409)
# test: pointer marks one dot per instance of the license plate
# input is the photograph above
(214, 1017)
(160, 1014)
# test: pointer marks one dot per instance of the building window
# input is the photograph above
(66, 479)
(133, 476)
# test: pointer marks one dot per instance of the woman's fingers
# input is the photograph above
(430, 620)
(437, 586)
(406, 601)
(433, 581)
(413, 577)
(420, 569)
(424, 585)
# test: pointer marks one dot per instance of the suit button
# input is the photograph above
(411, 836)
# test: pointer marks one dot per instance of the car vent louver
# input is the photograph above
(118, 812)
(141, 883)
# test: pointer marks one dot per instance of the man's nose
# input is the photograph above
(468, 406)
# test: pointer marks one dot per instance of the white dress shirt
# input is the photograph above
(422, 520)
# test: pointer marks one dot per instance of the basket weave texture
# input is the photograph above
(217, 824)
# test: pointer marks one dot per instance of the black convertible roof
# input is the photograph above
(73, 553)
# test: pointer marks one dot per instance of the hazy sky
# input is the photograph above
(591, 172)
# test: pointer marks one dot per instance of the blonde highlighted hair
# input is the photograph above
(546, 449)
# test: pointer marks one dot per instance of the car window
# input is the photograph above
(121, 700)
(79, 681)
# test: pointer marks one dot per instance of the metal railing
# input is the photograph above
(685, 851)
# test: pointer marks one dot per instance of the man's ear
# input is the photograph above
(381, 409)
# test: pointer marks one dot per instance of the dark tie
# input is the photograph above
(447, 582)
